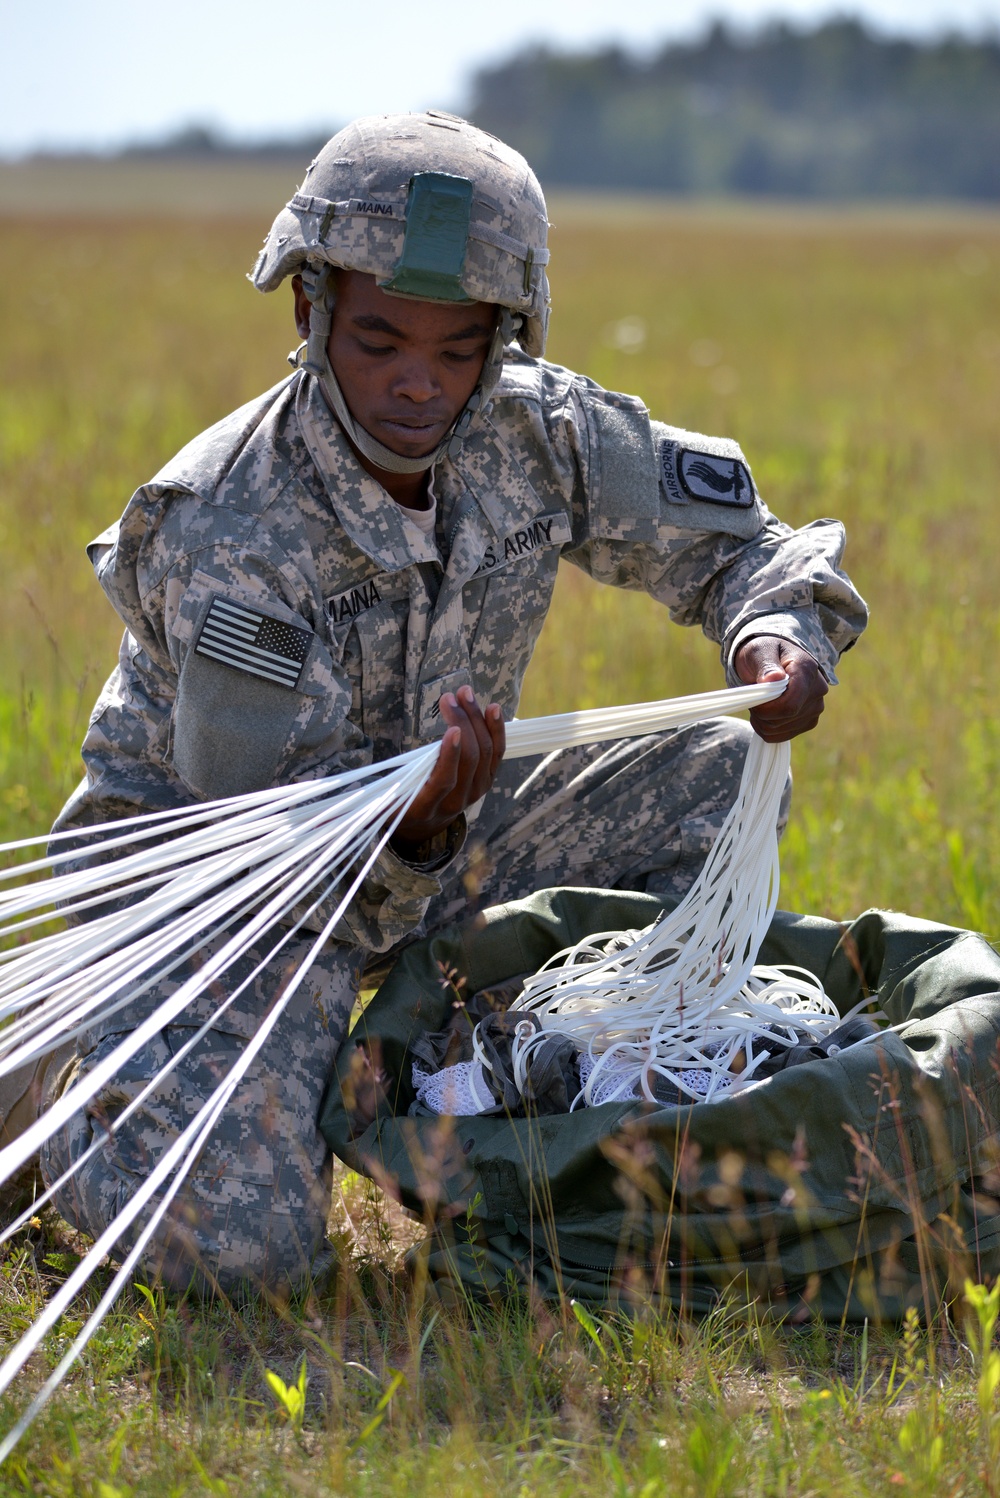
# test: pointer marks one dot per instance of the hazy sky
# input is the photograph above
(94, 73)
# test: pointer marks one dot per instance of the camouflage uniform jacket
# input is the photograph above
(283, 622)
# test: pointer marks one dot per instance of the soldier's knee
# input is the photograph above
(227, 1236)
(251, 1215)
(705, 764)
(214, 1247)
(93, 1192)
(728, 736)
(725, 746)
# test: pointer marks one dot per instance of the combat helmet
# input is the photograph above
(434, 208)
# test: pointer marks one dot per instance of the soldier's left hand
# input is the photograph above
(768, 658)
(467, 763)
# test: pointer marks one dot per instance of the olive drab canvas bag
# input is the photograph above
(851, 1186)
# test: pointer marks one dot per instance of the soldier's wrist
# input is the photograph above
(427, 852)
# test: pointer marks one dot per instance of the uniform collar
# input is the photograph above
(370, 516)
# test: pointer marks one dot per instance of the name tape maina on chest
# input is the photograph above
(343, 607)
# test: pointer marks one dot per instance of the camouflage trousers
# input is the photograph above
(639, 815)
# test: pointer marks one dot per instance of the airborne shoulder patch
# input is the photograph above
(246, 639)
(711, 478)
(720, 481)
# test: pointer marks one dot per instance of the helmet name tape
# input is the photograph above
(308, 203)
(438, 210)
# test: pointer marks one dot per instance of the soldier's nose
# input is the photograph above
(417, 383)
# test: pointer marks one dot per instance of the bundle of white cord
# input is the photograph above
(683, 1000)
(260, 867)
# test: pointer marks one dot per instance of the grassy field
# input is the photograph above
(856, 356)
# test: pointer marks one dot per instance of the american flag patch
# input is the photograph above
(247, 640)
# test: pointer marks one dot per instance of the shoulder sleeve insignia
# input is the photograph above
(714, 479)
(717, 477)
(248, 640)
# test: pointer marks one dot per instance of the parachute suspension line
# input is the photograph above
(253, 870)
(682, 995)
(683, 1001)
(176, 1162)
(179, 1159)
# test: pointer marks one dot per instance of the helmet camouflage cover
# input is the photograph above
(433, 208)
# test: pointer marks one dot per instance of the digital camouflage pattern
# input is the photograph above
(352, 211)
(270, 512)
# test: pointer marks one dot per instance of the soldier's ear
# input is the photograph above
(301, 308)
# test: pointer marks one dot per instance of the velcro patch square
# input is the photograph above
(248, 640)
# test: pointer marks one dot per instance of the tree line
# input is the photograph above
(830, 112)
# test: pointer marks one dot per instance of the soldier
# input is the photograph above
(355, 563)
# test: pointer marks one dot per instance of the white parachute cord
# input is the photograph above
(676, 998)
(180, 1157)
(157, 823)
(113, 1125)
(230, 839)
(701, 927)
(119, 970)
(591, 726)
(179, 1160)
(524, 737)
(174, 1060)
(200, 916)
(188, 891)
(169, 1066)
(35, 972)
(87, 972)
(21, 1149)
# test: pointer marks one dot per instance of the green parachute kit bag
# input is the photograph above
(850, 1187)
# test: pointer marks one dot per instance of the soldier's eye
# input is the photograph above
(375, 348)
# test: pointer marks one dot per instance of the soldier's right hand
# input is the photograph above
(467, 763)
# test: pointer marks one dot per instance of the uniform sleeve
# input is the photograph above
(260, 701)
(677, 515)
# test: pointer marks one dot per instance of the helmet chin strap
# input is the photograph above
(318, 287)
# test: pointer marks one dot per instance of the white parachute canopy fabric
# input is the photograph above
(258, 868)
